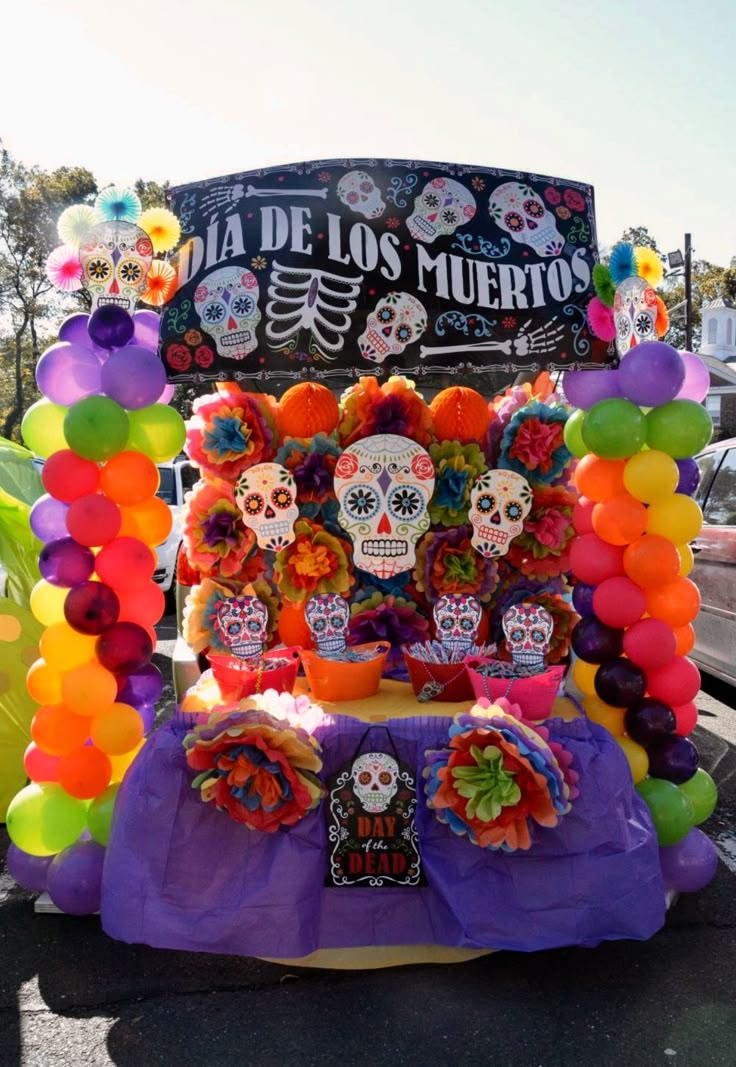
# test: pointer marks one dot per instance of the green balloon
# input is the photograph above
(573, 435)
(671, 810)
(43, 428)
(681, 428)
(702, 793)
(99, 814)
(614, 429)
(158, 431)
(96, 428)
(43, 819)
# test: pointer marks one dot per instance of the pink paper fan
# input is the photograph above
(600, 320)
(64, 269)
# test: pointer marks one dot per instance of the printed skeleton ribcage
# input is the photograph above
(314, 300)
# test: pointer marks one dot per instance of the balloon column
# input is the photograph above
(635, 434)
(102, 426)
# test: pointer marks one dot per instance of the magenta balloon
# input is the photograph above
(28, 871)
(48, 518)
(697, 378)
(91, 608)
(124, 648)
(145, 329)
(134, 377)
(74, 329)
(74, 880)
(583, 388)
(690, 864)
(68, 372)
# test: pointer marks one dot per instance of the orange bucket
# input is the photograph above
(237, 679)
(336, 680)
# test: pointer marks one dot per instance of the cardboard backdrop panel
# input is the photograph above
(337, 268)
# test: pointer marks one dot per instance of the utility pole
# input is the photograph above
(688, 294)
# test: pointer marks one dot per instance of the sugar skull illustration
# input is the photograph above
(358, 191)
(499, 503)
(375, 780)
(266, 495)
(634, 314)
(528, 630)
(397, 320)
(523, 215)
(442, 206)
(327, 616)
(457, 618)
(226, 301)
(242, 622)
(115, 258)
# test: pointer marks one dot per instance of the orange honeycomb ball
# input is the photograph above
(460, 414)
(307, 409)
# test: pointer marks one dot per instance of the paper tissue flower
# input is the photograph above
(384, 617)
(313, 465)
(395, 407)
(230, 431)
(456, 468)
(533, 443)
(216, 539)
(162, 226)
(314, 562)
(542, 549)
(448, 563)
(260, 769)
(553, 594)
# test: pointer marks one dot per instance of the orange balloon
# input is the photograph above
(84, 772)
(651, 560)
(129, 478)
(685, 637)
(676, 603)
(44, 683)
(88, 689)
(292, 625)
(144, 606)
(117, 730)
(57, 731)
(65, 648)
(149, 521)
(598, 478)
(619, 519)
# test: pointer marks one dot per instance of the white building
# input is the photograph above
(718, 352)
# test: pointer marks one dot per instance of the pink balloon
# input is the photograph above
(39, 766)
(697, 378)
(167, 394)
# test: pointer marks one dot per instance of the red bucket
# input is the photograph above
(237, 678)
(439, 681)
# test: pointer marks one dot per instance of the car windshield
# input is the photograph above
(166, 486)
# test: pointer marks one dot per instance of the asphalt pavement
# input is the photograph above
(69, 995)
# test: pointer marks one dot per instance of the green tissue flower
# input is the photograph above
(488, 787)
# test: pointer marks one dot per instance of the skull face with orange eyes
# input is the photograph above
(266, 495)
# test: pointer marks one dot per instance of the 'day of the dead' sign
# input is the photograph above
(333, 269)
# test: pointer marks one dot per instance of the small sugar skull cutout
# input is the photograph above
(375, 780)
(457, 618)
(523, 215)
(397, 321)
(634, 314)
(499, 503)
(242, 622)
(115, 258)
(328, 615)
(226, 302)
(266, 495)
(442, 206)
(358, 191)
(528, 631)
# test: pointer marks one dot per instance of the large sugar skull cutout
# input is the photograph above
(375, 780)
(397, 321)
(358, 191)
(528, 629)
(328, 615)
(115, 258)
(242, 622)
(634, 314)
(266, 495)
(441, 207)
(499, 503)
(523, 215)
(227, 304)
(383, 486)
(457, 618)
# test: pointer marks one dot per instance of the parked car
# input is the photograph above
(177, 478)
(715, 561)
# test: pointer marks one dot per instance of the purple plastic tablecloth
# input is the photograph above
(180, 874)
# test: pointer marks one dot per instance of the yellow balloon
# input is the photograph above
(651, 475)
(687, 560)
(637, 758)
(584, 676)
(47, 602)
(605, 715)
(676, 517)
(120, 764)
(565, 708)
(65, 648)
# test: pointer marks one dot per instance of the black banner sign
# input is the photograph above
(339, 268)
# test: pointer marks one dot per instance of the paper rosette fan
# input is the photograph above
(162, 226)
(74, 222)
(160, 284)
(64, 269)
(118, 205)
(497, 779)
(260, 769)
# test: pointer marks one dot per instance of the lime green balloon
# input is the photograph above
(671, 810)
(43, 428)
(96, 428)
(43, 819)
(702, 793)
(614, 428)
(573, 435)
(158, 431)
(681, 428)
(99, 814)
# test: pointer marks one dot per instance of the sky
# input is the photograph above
(637, 98)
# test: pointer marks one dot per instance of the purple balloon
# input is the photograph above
(75, 878)
(91, 608)
(146, 326)
(689, 476)
(674, 758)
(65, 562)
(690, 864)
(650, 374)
(48, 518)
(582, 599)
(28, 871)
(67, 372)
(134, 377)
(124, 648)
(620, 683)
(595, 642)
(110, 326)
(74, 329)
(583, 388)
(167, 394)
(141, 687)
(148, 714)
(649, 720)
(697, 378)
